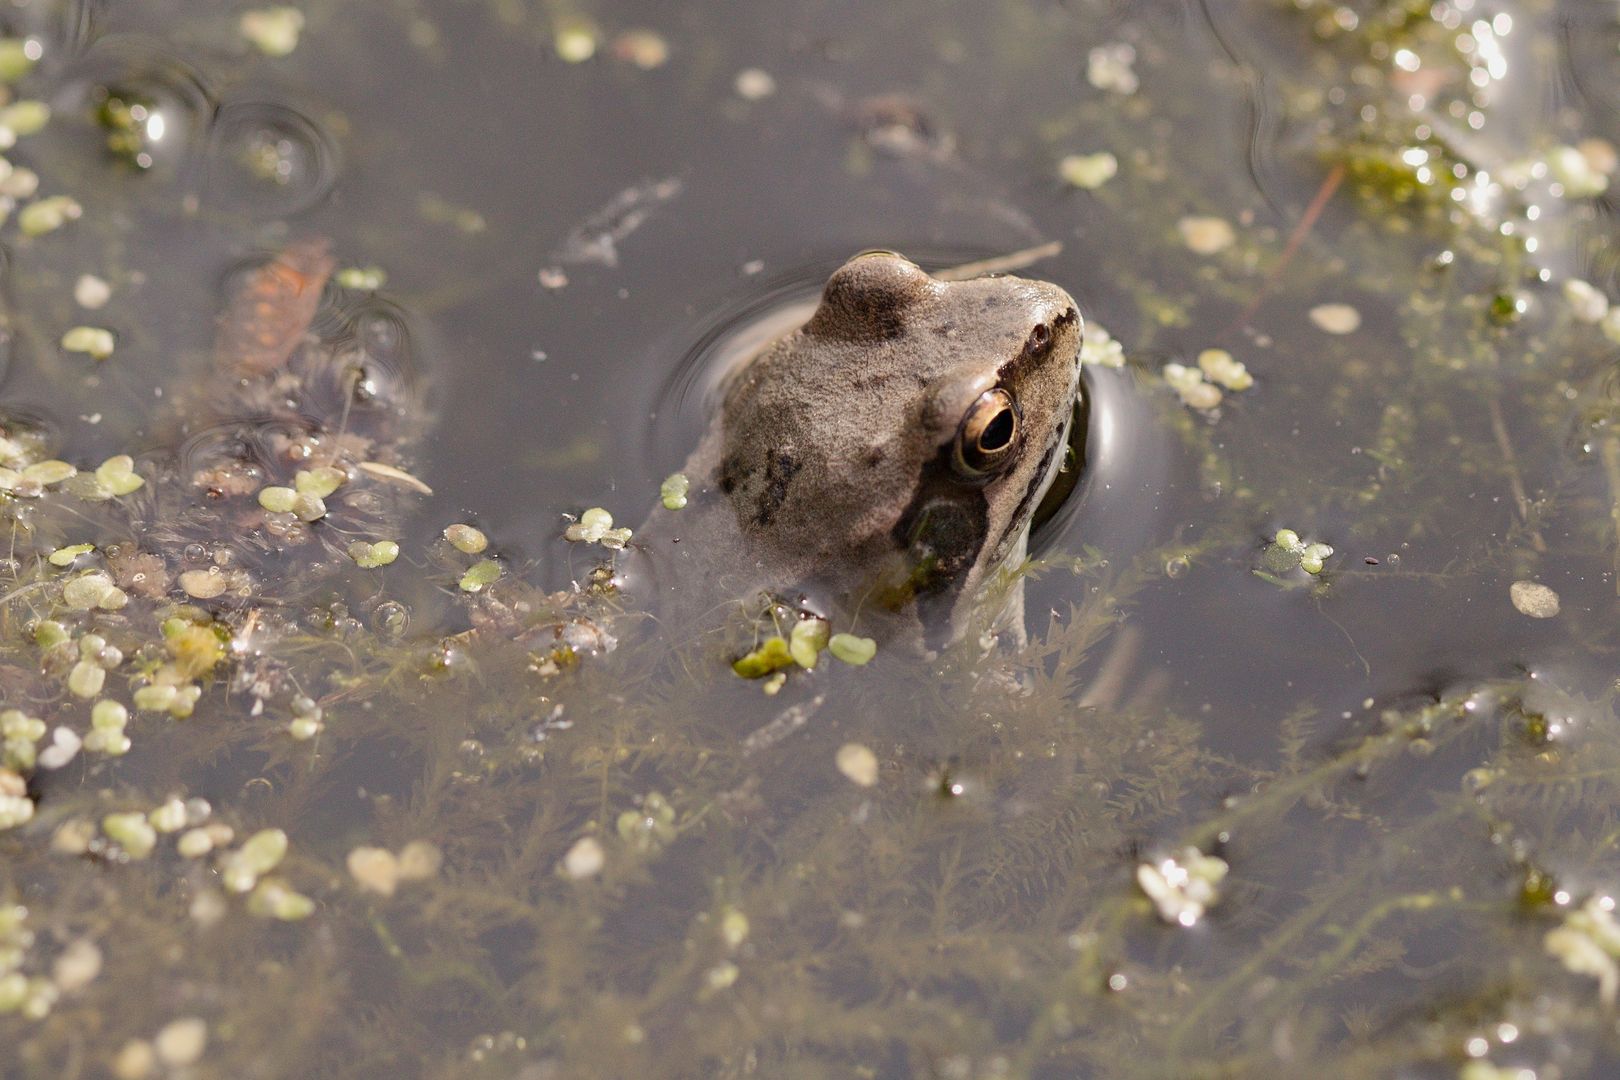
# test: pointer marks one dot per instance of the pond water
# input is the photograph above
(1241, 805)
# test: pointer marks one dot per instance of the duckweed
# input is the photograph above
(1206, 235)
(17, 58)
(1219, 366)
(370, 556)
(47, 473)
(595, 526)
(672, 492)
(858, 764)
(466, 539)
(1088, 171)
(94, 341)
(181, 1042)
(363, 279)
(117, 474)
(771, 654)
(1533, 599)
(65, 556)
(86, 679)
(132, 832)
(852, 649)
(48, 215)
(1190, 386)
(91, 292)
(278, 500)
(374, 869)
(93, 590)
(575, 40)
(1287, 552)
(480, 575)
(273, 31)
(1182, 886)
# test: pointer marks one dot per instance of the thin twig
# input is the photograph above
(1001, 264)
(1515, 481)
(1611, 469)
(1307, 221)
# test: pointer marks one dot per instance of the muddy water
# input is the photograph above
(1222, 816)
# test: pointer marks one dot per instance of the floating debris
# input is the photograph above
(181, 1042)
(1586, 303)
(1206, 235)
(1109, 67)
(1533, 599)
(1588, 943)
(1336, 318)
(585, 859)
(381, 871)
(1580, 175)
(273, 31)
(646, 49)
(858, 764)
(374, 869)
(1184, 886)
(597, 238)
(76, 966)
(398, 476)
(575, 40)
(754, 85)
(1088, 171)
(91, 292)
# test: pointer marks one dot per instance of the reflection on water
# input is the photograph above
(325, 754)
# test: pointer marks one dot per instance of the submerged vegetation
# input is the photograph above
(1315, 772)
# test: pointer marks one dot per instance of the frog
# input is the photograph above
(879, 464)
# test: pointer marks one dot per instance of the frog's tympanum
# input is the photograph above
(876, 465)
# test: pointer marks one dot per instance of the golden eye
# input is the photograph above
(988, 435)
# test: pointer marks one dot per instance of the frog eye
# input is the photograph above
(988, 436)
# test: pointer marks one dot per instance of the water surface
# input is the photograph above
(1410, 781)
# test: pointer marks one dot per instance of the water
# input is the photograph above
(641, 862)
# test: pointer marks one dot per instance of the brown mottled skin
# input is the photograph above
(831, 471)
